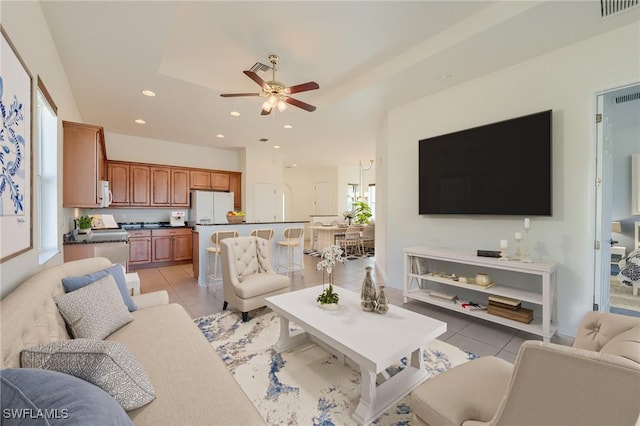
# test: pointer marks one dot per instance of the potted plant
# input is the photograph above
(328, 299)
(330, 255)
(362, 212)
(84, 224)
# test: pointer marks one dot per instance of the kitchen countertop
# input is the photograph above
(255, 223)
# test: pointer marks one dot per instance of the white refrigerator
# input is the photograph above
(208, 207)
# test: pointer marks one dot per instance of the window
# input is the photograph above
(46, 132)
(372, 200)
(352, 195)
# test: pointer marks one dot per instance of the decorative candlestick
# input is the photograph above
(504, 245)
(518, 255)
(527, 226)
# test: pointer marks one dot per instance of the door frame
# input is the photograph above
(602, 199)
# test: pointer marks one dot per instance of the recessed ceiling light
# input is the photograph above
(140, 121)
(148, 93)
(235, 113)
(288, 126)
(219, 136)
(294, 165)
(276, 147)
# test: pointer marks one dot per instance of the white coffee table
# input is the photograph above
(370, 340)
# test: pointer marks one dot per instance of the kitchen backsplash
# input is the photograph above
(138, 215)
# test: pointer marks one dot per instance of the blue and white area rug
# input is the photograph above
(305, 385)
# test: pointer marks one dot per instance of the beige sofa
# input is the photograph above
(193, 387)
(594, 382)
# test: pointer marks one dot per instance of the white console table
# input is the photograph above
(425, 270)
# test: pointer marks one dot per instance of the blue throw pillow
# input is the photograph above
(41, 397)
(74, 283)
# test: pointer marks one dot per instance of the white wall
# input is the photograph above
(145, 150)
(28, 30)
(565, 81)
(262, 165)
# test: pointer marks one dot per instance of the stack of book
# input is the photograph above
(509, 308)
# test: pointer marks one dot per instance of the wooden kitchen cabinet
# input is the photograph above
(235, 186)
(129, 184)
(200, 179)
(118, 176)
(171, 245)
(179, 187)
(84, 164)
(139, 185)
(139, 247)
(219, 181)
(160, 186)
(169, 187)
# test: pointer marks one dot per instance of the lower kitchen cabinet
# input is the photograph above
(171, 245)
(139, 247)
(149, 248)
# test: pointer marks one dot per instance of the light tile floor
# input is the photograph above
(471, 334)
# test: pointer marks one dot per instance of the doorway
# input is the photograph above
(617, 140)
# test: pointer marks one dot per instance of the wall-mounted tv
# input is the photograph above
(502, 168)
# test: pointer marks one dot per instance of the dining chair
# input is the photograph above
(292, 242)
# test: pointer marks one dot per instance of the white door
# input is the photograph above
(617, 133)
(265, 203)
(603, 208)
(322, 199)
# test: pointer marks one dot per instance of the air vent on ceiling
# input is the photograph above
(259, 66)
(263, 139)
(612, 7)
(628, 98)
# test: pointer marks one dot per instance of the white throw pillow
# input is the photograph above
(94, 311)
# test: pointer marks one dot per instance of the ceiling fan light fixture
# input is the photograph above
(267, 106)
(281, 106)
(273, 99)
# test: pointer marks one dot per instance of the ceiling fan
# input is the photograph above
(277, 93)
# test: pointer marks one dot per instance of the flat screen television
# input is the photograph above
(502, 168)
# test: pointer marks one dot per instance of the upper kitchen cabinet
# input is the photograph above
(200, 179)
(219, 181)
(169, 187)
(205, 179)
(84, 164)
(235, 186)
(179, 187)
(129, 184)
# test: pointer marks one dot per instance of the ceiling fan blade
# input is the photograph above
(233, 95)
(310, 85)
(300, 104)
(255, 77)
(265, 112)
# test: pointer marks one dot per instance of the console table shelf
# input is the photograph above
(541, 294)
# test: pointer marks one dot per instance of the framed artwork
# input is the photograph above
(16, 236)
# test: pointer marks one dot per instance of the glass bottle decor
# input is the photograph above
(382, 303)
(368, 292)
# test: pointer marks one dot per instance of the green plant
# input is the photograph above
(362, 211)
(328, 296)
(84, 222)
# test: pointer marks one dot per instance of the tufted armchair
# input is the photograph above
(247, 274)
(596, 381)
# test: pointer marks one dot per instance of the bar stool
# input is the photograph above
(214, 251)
(266, 233)
(291, 242)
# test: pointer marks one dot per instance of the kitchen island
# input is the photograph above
(203, 232)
